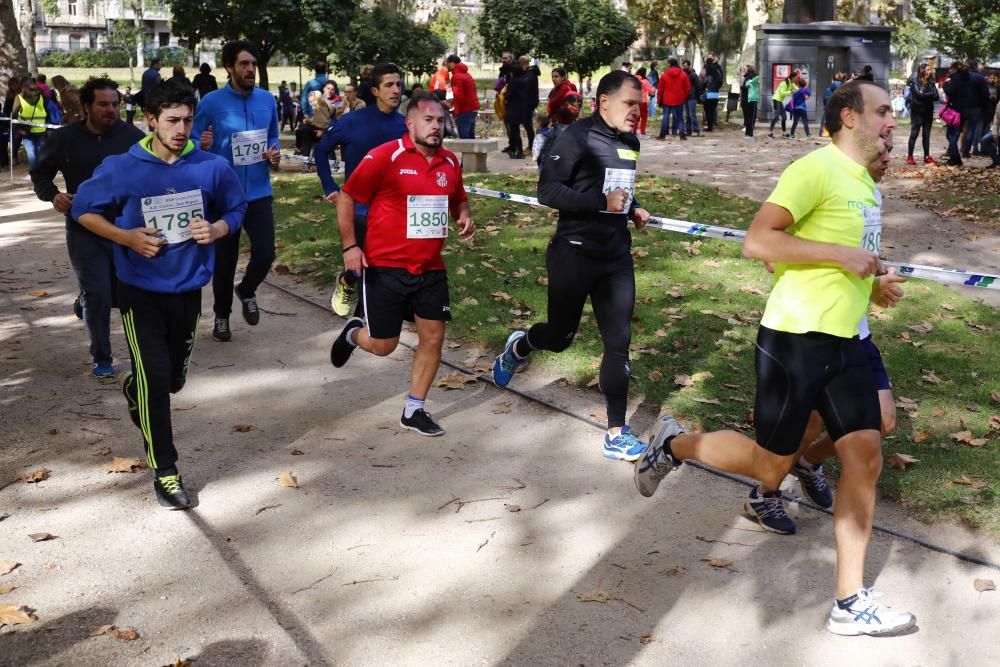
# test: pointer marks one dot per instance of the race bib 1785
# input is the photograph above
(173, 214)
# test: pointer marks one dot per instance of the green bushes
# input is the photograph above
(85, 58)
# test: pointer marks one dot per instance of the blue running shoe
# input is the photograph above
(814, 484)
(624, 446)
(659, 461)
(507, 362)
(104, 371)
(769, 511)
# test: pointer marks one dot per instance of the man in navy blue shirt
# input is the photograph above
(358, 133)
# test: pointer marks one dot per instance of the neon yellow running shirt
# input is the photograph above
(830, 196)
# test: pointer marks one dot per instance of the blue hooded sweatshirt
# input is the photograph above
(229, 111)
(358, 132)
(123, 184)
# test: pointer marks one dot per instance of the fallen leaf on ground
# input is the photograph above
(39, 293)
(455, 381)
(708, 401)
(41, 537)
(7, 566)
(123, 464)
(103, 451)
(501, 296)
(596, 596)
(923, 327)
(749, 289)
(179, 663)
(931, 377)
(243, 428)
(287, 480)
(900, 461)
(977, 442)
(469, 301)
(920, 436)
(594, 382)
(683, 380)
(35, 476)
(961, 436)
(947, 306)
(905, 403)
(712, 263)
(972, 407)
(655, 376)
(701, 375)
(6, 589)
(673, 571)
(101, 630)
(128, 634)
(647, 639)
(995, 423)
(983, 585)
(11, 614)
(995, 396)
(718, 562)
(512, 508)
(937, 412)
(965, 481)
(730, 386)
(501, 410)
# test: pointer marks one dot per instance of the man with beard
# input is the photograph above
(410, 185)
(589, 177)
(76, 150)
(239, 122)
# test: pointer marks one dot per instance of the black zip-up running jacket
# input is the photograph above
(588, 160)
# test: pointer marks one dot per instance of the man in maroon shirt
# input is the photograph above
(410, 185)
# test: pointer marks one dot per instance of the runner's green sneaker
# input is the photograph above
(345, 297)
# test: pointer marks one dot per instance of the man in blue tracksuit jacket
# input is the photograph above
(170, 202)
(240, 123)
(358, 133)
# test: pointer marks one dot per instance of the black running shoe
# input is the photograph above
(251, 313)
(78, 306)
(341, 350)
(170, 492)
(422, 423)
(125, 380)
(220, 330)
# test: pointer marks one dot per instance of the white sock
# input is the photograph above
(806, 464)
(350, 336)
(412, 405)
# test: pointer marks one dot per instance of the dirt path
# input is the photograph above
(723, 159)
(480, 547)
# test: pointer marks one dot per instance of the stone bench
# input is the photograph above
(473, 151)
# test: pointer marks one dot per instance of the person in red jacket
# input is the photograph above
(466, 103)
(672, 92)
(562, 86)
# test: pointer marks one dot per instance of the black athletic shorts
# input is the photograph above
(799, 373)
(390, 295)
(876, 363)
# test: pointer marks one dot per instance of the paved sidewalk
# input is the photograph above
(473, 548)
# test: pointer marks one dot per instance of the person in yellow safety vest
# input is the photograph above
(785, 88)
(29, 106)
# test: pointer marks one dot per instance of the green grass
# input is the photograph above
(697, 308)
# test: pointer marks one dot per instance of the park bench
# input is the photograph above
(473, 152)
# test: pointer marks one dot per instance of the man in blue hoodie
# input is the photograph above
(169, 202)
(359, 133)
(239, 122)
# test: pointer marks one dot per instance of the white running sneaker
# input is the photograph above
(867, 617)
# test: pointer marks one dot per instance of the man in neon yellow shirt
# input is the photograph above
(809, 355)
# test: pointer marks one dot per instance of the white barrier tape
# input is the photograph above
(937, 274)
(24, 122)
(335, 165)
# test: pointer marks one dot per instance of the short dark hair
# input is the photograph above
(686, 63)
(561, 71)
(93, 84)
(453, 59)
(154, 61)
(169, 94)
(320, 67)
(641, 72)
(40, 78)
(973, 63)
(232, 50)
(422, 97)
(205, 68)
(672, 62)
(543, 120)
(611, 82)
(847, 96)
(381, 70)
(626, 64)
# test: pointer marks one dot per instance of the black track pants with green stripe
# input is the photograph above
(160, 330)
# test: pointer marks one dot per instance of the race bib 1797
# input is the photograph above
(249, 147)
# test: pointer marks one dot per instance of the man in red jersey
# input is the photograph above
(410, 185)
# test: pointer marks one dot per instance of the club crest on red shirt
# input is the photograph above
(442, 179)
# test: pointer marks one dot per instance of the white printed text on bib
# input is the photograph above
(427, 216)
(620, 179)
(249, 147)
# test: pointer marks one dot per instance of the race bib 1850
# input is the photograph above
(427, 216)
(173, 214)
(620, 179)
(249, 147)
(871, 237)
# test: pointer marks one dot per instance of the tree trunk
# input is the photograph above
(756, 16)
(27, 22)
(12, 59)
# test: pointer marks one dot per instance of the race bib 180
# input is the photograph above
(173, 214)
(620, 179)
(249, 147)
(871, 236)
(427, 216)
